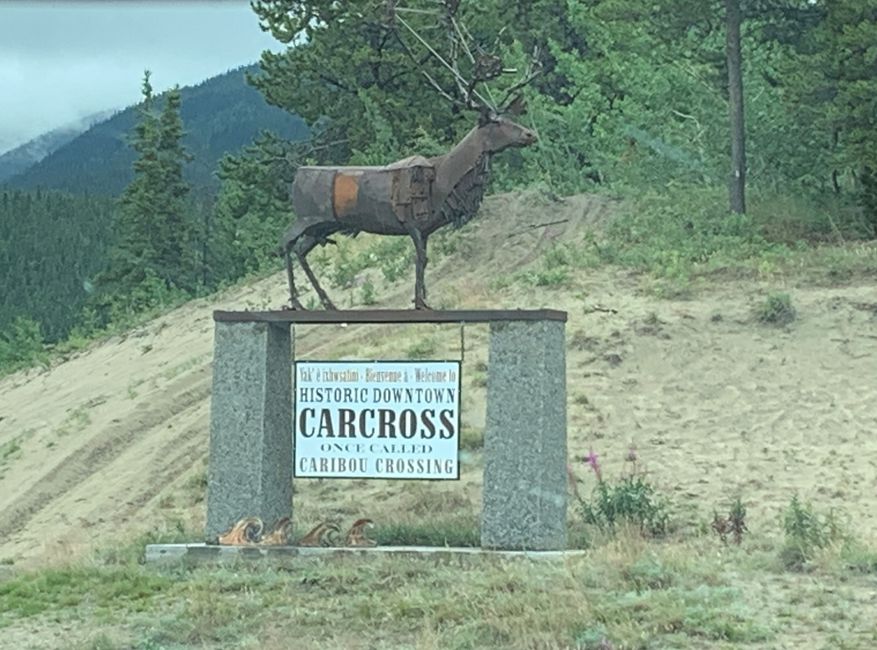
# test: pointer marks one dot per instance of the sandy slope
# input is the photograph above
(114, 440)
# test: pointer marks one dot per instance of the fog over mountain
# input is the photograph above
(17, 160)
(220, 115)
(61, 62)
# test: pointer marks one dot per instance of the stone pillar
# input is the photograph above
(250, 463)
(525, 479)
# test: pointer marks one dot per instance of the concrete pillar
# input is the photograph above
(250, 463)
(525, 480)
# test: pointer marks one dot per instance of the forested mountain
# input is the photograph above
(61, 220)
(51, 245)
(221, 115)
(17, 160)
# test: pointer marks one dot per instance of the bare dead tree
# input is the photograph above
(415, 196)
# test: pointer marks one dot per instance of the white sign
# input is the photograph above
(377, 419)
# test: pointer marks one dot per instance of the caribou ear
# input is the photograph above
(486, 116)
(518, 105)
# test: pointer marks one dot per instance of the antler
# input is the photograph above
(514, 98)
(465, 88)
(485, 66)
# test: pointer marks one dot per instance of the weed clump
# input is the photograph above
(632, 500)
(368, 296)
(471, 439)
(734, 524)
(423, 348)
(806, 532)
(777, 309)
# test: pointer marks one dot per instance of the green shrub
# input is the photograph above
(554, 267)
(21, 345)
(546, 277)
(791, 219)
(422, 349)
(777, 309)
(394, 256)
(806, 532)
(368, 294)
(346, 265)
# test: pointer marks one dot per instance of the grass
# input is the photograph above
(95, 588)
(10, 450)
(77, 420)
(471, 439)
(443, 533)
(626, 593)
(687, 589)
(682, 235)
(188, 364)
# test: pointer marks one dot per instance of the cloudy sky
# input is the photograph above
(61, 61)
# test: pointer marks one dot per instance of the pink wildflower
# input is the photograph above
(592, 460)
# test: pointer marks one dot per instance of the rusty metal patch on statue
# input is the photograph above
(345, 191)
(411, 188)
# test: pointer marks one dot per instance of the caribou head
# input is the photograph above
(501, 133)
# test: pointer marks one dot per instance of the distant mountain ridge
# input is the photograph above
(220, 115)
(20, 158)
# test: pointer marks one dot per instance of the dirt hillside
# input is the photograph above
(113, 441)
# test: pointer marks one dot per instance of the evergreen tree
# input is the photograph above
(175, 241)
(845, 74)
(134, 254)
(253, 206)
(150, 260)
(354, 61)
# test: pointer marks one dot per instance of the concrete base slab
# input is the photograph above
(211, 553)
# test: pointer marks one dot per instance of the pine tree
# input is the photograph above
(173, 242)
(134, 254)
(150, 261)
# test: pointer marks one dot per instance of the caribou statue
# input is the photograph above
(415, 196)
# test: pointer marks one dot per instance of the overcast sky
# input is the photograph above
(61, 61)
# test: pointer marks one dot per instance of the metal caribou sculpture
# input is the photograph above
(415, 196)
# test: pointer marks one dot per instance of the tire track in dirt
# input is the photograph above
(102, 449)
(592, 211)
(189, 446)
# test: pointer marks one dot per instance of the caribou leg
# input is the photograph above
(293, 293)
(324, 298)
(419, 267)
